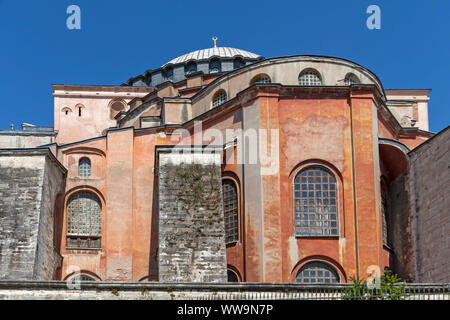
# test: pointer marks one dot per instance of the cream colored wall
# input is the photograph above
(95, 116)
(286, 72)
(418, 96)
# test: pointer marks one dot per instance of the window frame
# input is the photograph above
(68, 235)
(351, 75)
(80, 168)
(216, 95)
(335, 270)
(260, 76)
(238, 195)
(339, 218)
(308, 70)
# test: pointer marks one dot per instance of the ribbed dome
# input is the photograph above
(223, 52)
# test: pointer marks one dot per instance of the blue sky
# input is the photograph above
(121, 39)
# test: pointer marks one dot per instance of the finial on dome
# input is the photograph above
(215, 41)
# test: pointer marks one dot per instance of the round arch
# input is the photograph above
(322, 259)
(339, 187)
(81, 273)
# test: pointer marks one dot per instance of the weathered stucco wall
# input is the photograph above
(28, 188)
(191, 225)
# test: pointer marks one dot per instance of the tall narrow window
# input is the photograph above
(219, 98)
(316, 202)
(231, 210)
(317, 272)
(84, 168)
(84, 221)
(384, 213)
(309, 78)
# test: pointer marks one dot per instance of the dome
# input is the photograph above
(222, 52)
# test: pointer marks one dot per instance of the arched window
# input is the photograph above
(232, 276)
(384, 213)
(190, 68)
(219, 98)
(317, 272)
(350, 79)
(231, 210)
(84, 167)
(215, 66)
(309, 78)
(84, 221)
(315, 202)
(82, 277)
(238, 63)
(168, 74)
(262, 78)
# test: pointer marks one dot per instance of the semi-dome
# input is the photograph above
(222, 52)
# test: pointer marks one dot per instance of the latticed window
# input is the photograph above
(309, 78)
(84, 221)
(82, 277)
(84, 167)
(384, 212)
(351, 79)
(219, 98)
(231, 210)
(315, 202)
(262, 79)
(317, 272)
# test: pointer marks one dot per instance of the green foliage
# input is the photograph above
(390, 287)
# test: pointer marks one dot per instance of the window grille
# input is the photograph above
(231, 211)
(84, 221)
(82, 277)
(317, 272)
(219, 98)
(309, 78)
(262, 79)
(315, 202)
(85, 167)
(351, 79)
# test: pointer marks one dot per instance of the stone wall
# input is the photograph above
(429, 188)
(191, 226)
(29, 183)
(421, 216)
